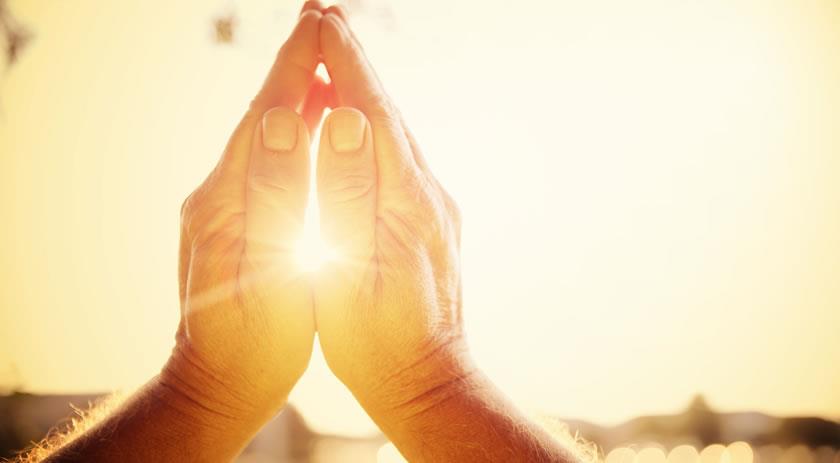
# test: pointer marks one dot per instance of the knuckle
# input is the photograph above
(454, 210)
(381, 110)
(189, 210)
(348, 186)
(203, 214)
(195, 201)
(186, 208)
(424, 211)
(268, 184)
(413, 188)
(337, 9)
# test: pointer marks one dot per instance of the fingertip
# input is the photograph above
(308, 17)
(338, 10)
(308, 26)
(311, 5)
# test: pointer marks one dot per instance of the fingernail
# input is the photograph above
(280, 129)
(347, 130)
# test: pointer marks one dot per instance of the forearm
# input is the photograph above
(460, 416)
(160, 423)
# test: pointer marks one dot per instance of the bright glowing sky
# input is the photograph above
(651, 191)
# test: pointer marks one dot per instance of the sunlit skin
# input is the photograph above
(387, 306)
(393, 294)
(247, 326)
(246, 308)
(388, 309)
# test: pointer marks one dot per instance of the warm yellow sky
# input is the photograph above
(651, 192)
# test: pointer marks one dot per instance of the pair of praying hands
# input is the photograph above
(387, 308)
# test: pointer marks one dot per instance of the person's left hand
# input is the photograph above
(388, 308)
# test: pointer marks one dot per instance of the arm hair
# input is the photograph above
(71, 428)
(584, 450)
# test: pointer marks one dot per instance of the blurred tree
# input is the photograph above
(16, 36)
(224, 28)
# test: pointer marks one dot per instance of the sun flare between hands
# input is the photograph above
(311, 252)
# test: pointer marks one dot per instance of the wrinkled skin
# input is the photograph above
(247, 325)
(388, 309)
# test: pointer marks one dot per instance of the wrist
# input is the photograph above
(208, 397)
(407, 392)
(467, 419)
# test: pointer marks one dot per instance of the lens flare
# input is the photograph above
(311, 252)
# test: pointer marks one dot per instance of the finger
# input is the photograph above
(286, 85)
(342, 12)
(356, 85)
(354, 79)
(277, 187)
(293, 70)
(312, 5)
(316, 101)
(338, 10)
(346, 177)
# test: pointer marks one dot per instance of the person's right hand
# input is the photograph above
(388, 308)
(247, 326)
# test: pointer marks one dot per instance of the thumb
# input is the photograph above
(277, 187)
(346, 177)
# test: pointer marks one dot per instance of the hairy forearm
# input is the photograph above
(461, 416)
(157, 423)
(82, 421)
